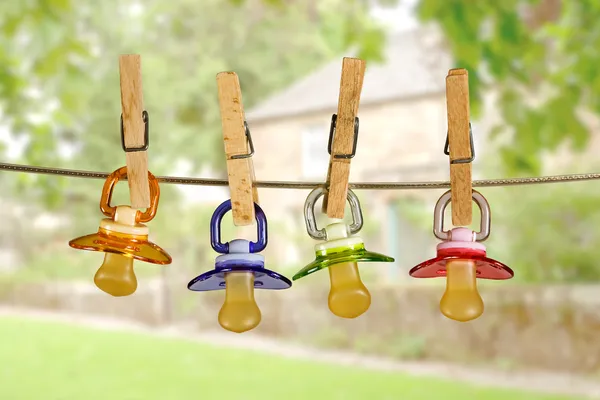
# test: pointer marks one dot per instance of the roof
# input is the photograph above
(415, 64)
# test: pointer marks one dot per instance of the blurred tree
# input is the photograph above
(342, 24)
(541, 57)
(549, 234)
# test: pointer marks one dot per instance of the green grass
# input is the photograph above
(54, 361)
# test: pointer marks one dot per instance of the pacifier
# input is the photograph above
(123, 238)
(340, 251)
(462, 259)
(239, 270)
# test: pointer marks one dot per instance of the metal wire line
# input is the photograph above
(310, 185)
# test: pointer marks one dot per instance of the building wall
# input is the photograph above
(396, 140)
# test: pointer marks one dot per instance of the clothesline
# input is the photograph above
(309, 185)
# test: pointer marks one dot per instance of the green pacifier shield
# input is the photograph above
(338, 255)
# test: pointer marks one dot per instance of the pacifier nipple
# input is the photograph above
(115, 276)
(239, 312)
(348, 296)
(461, 300)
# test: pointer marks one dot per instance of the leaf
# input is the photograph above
(509, 27)
(57, 6)
(496, 131)
(274, 3)
(11, 25)
(388, 3)
(430, 9)
(517, 162)
(371, 44)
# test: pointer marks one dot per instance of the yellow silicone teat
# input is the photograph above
(239, 313)
(115, 276)
(461, 301)
(348, 296)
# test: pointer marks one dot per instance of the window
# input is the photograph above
(315, 158)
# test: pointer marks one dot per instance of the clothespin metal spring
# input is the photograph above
(250, 145)
(461, 160)
(144, 147)
(332, 133)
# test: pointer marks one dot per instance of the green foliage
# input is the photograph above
(543, 67)
(40, 55)
(406, 346)
(344, 24)
(547, 234)
(367, 344)
(66, 264)
(415, 212)
(331, 338)
(401, 346)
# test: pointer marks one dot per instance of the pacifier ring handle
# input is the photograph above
(440, 208)
(109, 186)
(215, 229)
(311, 221)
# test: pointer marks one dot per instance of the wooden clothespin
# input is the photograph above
(460, 144)
(238, 149)
(345, 135)
(134, 125)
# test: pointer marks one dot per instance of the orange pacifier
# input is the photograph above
(123, 238)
